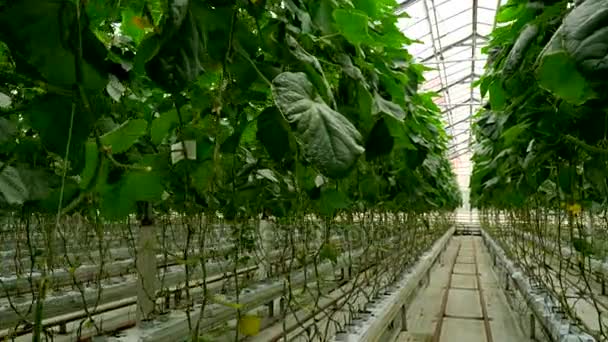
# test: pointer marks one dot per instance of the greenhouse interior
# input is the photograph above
(304, 170)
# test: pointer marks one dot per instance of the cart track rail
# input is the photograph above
(437, 336)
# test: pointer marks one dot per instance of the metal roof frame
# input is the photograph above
(439, 16)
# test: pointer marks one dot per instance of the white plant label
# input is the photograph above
(177, 151)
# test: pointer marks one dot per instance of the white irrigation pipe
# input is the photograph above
(386, 310)
(539, 301)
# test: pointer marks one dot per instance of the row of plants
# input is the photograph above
(213, 287)
(543, 133)
(206, 111)
(239, 107)
(542, 138)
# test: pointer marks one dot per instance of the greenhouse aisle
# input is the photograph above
(462, 314)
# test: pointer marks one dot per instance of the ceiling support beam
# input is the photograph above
(447, 47)
(458, 122)
(462, 80)
(473, 56)
(457, 61)
(472, 37)
(403, 5)
(462, 153)
(436, 49)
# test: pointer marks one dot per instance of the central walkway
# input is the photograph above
(463, 302)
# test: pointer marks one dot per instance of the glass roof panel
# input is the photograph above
(452, 33)
(454, 23)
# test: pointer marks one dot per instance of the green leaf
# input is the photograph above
(508, 13)
(353, 25)
(8, 130)
(142, 186)
(582, 246)
(12, 188)
(510, 135)
(331, 201)
(329, 140)
(367, 6)
(124, 136)
(518, 51)
(380, 142)
(498, 97)
(484, 84)
(119, 200)
(5, 101)
(273, 133)
(381, 105)
(399, 133)
(557, 73)
(47, 42)
(267, 174)
(321, 15)
(115, 89)
(173, 57)
(132, 25)
(37, 182)
(312, 67)
(50, 115)
(349, 68)
(91, 157)
(114, 205)
(329, 252)
(202, 177)
(369, 188)
(162, 125)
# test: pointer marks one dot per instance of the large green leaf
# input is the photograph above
(8, 130)
(369, 188)
(387, 107)
(400, 133)
(202, 177)
(91, 157)
(124, 136)
(42, 33)
(119, 200)
(273, 133)
(12, 188)
(558, 74)
(584, 33)
(353, 25)
(367, 6)
(143, 186)
(498, 97)
(37, 182)
(380, 142)
(162, 125)
(331, 201)
(508, 13)
(312, 67)
(329, 140)
(173, 58)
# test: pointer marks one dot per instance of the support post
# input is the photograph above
(532, 327)
(265, 248)
(146, 266)
(271, 308)
(403, 318)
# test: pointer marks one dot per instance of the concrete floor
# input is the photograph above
(463, 317)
